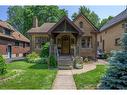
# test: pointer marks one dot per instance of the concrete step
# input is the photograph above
(65, 67)
(65, 62)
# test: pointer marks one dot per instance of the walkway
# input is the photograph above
(64, 78)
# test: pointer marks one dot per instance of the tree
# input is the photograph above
(21, 17)
(92, 16)
(104, 21)
(116, 75)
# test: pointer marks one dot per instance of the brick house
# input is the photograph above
(66, 37)
(12, 43)
(109, 36)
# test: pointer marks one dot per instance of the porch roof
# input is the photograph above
(69, 21)
(49, 27)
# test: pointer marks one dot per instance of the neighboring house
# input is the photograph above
(66, 37)
(111, 32)
(12, 43)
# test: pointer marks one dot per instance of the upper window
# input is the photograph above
(7, 32)
(1, 29)
(81, 24)
(16, 43)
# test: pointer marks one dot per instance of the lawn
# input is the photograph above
(29, 76)
(90, 79)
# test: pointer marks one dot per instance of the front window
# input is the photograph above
(86, 42)
(39, 41)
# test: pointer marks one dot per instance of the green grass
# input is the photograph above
(33, 76)
(9, 74)
(90, 79)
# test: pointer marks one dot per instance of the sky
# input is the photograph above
(101, 11)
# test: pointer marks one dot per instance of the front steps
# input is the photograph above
(65, 62)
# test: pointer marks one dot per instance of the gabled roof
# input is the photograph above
(94, 27)
(15, 34)
(6, 25)
(44, 28)
(69, 21)
(120, 17)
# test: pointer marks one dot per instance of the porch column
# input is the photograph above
(78, 45)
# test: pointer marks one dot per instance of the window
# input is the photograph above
(1, 30)
(124, 25)
(81, 24)
(117, 41)
(86, 42)
(41, 40)
(7, 32)
(16, 43)
(27, 44)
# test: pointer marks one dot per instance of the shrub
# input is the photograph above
(32, 58)
(53, 61)
(105, 56)
(44, 50)
(42, 61)
(116, 75)
(2, 65)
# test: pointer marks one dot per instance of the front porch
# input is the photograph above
(65, 46)
(65, 40)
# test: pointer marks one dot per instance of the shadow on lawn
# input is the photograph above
(39, 66)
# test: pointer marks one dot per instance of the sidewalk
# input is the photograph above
(64, 80)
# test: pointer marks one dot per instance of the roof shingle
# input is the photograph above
(42, 29)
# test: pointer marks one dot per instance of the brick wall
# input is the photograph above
(109, 37)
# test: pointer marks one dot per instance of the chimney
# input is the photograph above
(35, 22)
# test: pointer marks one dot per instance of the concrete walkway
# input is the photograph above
(64, 78)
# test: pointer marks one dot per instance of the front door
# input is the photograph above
(9, 52)
(65, 45)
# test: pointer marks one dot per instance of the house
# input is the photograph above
(66, 37)
(109, 36)
(12, 43)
